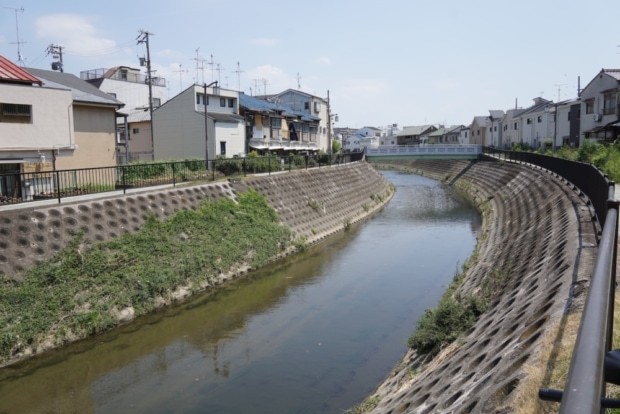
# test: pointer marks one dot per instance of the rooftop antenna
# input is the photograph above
(219, 73)
(265, 82)
(181, 72)
(559, 86)
(298, 79)
(200, 66)
(20, 58)
(212, 64)
(238, 72)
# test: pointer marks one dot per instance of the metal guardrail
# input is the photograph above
(18, 187)
(584, 391)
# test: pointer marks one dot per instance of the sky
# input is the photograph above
(409, 62)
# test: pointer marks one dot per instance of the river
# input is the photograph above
(315, 333)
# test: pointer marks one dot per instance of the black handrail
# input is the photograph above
(59, 184)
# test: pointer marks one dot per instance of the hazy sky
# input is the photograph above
(409, 62)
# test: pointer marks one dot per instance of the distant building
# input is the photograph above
(414, 135)
(179, 125)
(600, 111)
(131, 87)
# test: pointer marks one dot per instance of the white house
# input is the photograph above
(537, 123)
(464, 134)
(131, 87)
(179, 125)
(494, 130)
(366, 137)
(600, 108)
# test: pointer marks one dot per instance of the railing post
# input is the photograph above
(174, 180)
(124, 179)
(57, 177)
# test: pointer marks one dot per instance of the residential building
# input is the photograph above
(179, 125)
(366, 137)
(478, 129)
(494, 131)
(36, 126)
(511, 131)
(567, 123)
(537, 123)
(308, 104)
(344, 133)
(600, 109)
(414, 135)
(275, 127)
(464, 134)
(94, 121)
(131, 87)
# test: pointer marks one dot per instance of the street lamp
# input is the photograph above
(206, 98)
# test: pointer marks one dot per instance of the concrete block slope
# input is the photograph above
(537, 241)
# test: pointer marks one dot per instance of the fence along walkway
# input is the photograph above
(16, 188)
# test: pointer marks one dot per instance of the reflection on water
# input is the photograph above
(315, 334)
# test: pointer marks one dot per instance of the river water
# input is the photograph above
(314, 334)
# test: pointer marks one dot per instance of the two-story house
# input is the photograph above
(600, 109)
(275, 127)
(93, 113)
(414, 135)
(537, 123)
(199, 122)
(478, 130)
(131, 87)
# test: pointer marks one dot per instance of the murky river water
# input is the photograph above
(313, 335)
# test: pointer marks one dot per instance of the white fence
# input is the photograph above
(426, 149)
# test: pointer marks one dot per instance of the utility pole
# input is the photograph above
(329, 130)
(56, 52)
(298, 81)
(144, 38)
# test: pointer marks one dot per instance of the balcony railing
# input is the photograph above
(121, 75)
(274, 144)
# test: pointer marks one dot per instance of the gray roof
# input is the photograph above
(222, 117)
(414, 130)
(81, 90)
(614, 73)
(496, 113)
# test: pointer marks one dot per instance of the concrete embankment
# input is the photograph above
(313, 204)
(538, 242)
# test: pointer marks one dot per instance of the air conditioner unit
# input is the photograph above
(597, 117)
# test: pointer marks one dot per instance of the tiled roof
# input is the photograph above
(10, 72)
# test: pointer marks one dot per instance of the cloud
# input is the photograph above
(75, 32)
(264, 41)
(276, 79)
(324, 61)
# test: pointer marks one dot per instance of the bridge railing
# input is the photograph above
(425, 149)
(584, 390)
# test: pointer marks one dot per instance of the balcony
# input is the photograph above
(276, 144)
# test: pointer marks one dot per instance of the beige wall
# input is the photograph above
(95, 136)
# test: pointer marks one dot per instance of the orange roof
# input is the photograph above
(10, 72)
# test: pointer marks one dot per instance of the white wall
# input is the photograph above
(52, 118)
(132, 94)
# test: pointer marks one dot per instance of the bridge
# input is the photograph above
(431, 151)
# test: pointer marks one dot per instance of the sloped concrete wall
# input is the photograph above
(313, 203)
(538, 240)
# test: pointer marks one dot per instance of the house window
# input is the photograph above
(223, 102)
(15, 113)
(529, 121)
(276, 123)
(231, 102)
(515, 126)
(539, 119)
(222, 147)
(306, 105)
(505, 127)
(135, 131)
(590, 106)
(609, 103)
(156, 102)
(200, 99)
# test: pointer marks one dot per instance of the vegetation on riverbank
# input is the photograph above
(84, 289)
(604, 156)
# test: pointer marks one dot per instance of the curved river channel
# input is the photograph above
(314, 334)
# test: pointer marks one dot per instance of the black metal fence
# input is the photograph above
(589, 179)
(593, 364)
(18, 187)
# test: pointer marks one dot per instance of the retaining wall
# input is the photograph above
(539, 241)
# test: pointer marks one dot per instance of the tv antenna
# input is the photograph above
(181, 71)
(298, 81)
(559, 86)
(19, 43)
(238, 72)
(200, 66)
